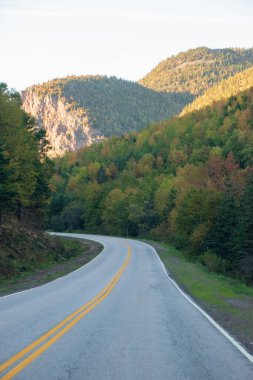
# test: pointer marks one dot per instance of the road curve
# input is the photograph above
(118, 317)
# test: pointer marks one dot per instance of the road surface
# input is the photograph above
(118, 317)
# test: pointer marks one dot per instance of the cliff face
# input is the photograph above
(78, 111)
(67, 128)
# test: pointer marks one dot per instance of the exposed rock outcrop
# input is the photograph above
(78, 111)
(67, 128)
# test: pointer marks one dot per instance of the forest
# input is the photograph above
(24, 167)
(222, 90)
(188, 181)
(112, 106)
(25, 172)
(196, 70)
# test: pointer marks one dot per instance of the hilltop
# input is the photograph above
(77, 111)
(195, 70)
(223, 90)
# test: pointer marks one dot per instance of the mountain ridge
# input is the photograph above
(77, 111)
(223, 90)
(207, 67)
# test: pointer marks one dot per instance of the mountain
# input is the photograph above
(188, 180)
(223, 90)
(77, 111)
(195, 70)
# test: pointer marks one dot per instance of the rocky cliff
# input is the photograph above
(67, 128)
(77, 111)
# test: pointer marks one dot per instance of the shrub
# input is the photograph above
(214, 263)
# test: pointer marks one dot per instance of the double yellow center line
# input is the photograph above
(60, 329)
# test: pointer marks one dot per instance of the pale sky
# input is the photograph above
(46, 39)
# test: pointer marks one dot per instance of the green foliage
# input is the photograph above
(110, 105)
(194, 71)
(115, 212)
(7, 195)
(243, 239)
(223, 90)
(214, 263)
(220, 236)
(181, 181)
(192, 218)
(24, 167)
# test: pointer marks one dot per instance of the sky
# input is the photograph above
(46, 39)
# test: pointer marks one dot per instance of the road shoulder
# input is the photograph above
(227, 301)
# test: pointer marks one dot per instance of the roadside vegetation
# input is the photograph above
(112, 106)
(25, 171)
(30, 258)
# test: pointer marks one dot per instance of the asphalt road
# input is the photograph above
(126, 321)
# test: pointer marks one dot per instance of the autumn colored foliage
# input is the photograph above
(187, 180)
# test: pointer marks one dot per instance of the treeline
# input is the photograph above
(113, 106)
(24, 167)
(223, 90)
(196, 70)
(188, 181)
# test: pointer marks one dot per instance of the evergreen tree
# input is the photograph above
(244, 235)
(6, 193)
(170, 203)
(220, 237)
(24, 167)
(101, 176)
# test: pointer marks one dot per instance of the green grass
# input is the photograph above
(201, 283)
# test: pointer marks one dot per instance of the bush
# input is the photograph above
(159, 233)
(214, 263)
(57, 223)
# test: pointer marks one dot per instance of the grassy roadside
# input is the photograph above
(69, 256)
(229, 302)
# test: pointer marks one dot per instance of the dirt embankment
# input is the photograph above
(31, 258)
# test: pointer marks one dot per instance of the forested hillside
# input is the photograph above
(223, 90)
(195, 70)
(24, 192)
(188, 180)
(77, 111)
(24, 166)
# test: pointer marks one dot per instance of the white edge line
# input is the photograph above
(207, 316)
(59, 278)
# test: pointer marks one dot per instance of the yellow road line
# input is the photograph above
(33, 345)
(78, 314)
